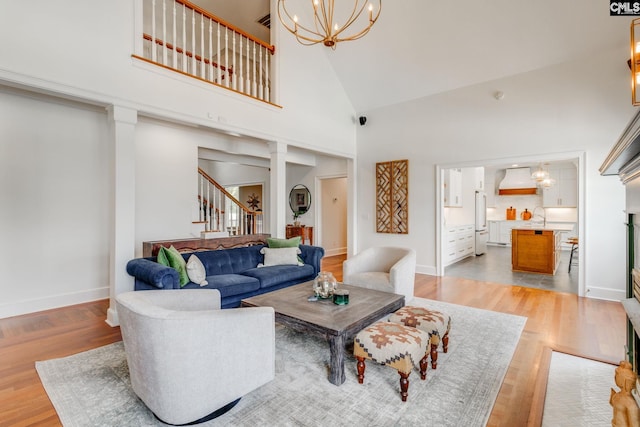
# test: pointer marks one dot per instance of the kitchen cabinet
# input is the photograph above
(459, 242)
(504, 237)
(564, 193)
(453, 188)
(535, 251)
(494, 231)
(479, 181)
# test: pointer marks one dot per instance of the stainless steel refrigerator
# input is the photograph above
(482, 233)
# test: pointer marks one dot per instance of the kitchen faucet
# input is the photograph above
(544, 215)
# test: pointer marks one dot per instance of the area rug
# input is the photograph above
(93, 389)
(578, 392)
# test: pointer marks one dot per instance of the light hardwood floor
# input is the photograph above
(565, 322)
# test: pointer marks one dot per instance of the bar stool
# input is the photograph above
(573, 241)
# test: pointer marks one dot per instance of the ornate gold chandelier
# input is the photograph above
(327, 27)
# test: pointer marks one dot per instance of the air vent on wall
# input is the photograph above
(265, 20)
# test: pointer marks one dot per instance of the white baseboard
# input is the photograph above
(336, 251)
(426, 269)
(54, 301)
(605, 293)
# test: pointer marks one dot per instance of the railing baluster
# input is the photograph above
(260, 85)
(239, 75)
(154, 54)
(164, 32)
(267, 88)
(233, 63)
(248, 85)
(226, 57)
(219, 80)
(202, 55)
(254, 86)
(193, 42)
(210, 67)
(174, 54)
(184, 38)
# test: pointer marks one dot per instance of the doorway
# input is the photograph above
(332, 214)
(495, 264)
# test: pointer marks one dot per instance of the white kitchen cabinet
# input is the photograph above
(564, 193)
(453, 188)
(504, 237)
(458, 243)
(479, 181)
(494, 231)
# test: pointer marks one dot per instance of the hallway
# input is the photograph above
(495, 266)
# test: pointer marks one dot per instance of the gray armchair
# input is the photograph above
(190, 361)
(387, 269)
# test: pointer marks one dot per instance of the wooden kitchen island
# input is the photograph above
(535, 250)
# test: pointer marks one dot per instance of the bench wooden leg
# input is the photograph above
(434, 356)
(424, 364)
(361, 368)
(404, 386)
(445, 342)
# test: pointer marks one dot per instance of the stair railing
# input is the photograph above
(183, 37)
(221, 211)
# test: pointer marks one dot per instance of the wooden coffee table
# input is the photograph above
(337, 323)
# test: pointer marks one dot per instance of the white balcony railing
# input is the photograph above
(185, 38)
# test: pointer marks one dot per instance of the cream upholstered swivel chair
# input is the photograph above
(388, 269)
(190, 361)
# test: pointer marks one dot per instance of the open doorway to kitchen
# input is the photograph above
(481, 203)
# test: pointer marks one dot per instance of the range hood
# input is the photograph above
(517, 182)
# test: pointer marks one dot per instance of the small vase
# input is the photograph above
(324, 285)
(296, 223)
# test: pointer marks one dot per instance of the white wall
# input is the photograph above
(578, 106)
(54, 203)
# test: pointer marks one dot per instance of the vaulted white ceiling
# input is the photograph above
(424, 47)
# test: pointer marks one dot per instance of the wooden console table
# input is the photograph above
(196, 244)
(306, 233)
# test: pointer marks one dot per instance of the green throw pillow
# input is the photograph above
(293, 242)
(173, 259)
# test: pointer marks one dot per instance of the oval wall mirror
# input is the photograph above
(299, 199)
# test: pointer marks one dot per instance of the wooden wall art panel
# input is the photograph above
(392, 197)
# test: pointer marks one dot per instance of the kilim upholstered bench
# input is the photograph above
(436, 323)
(395, 345)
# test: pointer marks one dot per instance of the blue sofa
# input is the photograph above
(234, 272)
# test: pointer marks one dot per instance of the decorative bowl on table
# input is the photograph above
(324, 285)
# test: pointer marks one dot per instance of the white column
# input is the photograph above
(352, 212)
(122, 123)
(278, 183)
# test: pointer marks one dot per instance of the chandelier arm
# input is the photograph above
(297, 26)
(364, 30)
(325, 26)
(354, 16)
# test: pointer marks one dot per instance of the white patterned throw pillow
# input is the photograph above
(280, 256)
(196, 271)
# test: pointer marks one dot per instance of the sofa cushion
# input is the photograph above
(276, 274)
(293, 242)
(195, 270)
(233, 284)
(230, 261)
(280, 256)
(172, 258)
